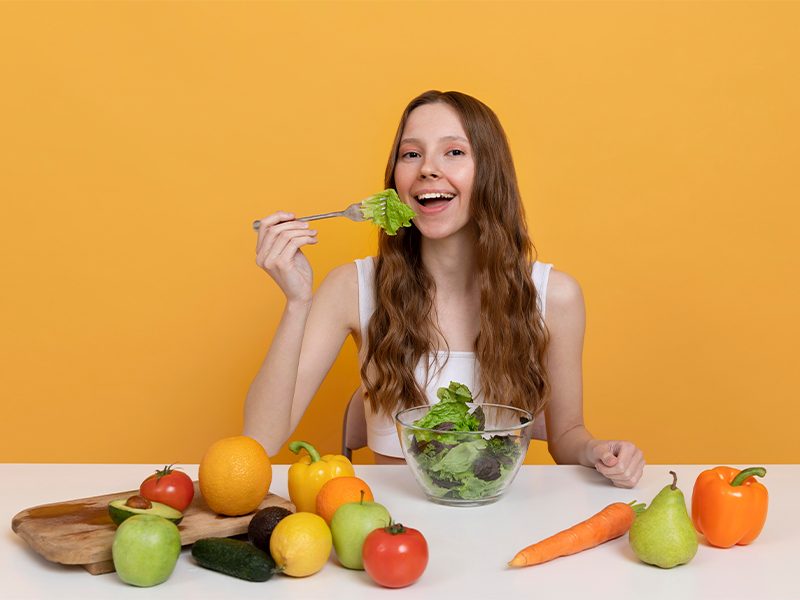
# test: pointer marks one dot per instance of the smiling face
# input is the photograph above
(435, 170)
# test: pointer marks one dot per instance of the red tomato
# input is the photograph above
(170, 487)
(395, 556)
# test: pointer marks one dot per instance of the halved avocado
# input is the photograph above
(121, 510)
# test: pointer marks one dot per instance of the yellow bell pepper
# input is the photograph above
(310, 473)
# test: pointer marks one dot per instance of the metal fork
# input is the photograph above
(352, 212)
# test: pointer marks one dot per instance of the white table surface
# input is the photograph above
(469, 547)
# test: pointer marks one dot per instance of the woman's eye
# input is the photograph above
(456, 152)
(410, 154)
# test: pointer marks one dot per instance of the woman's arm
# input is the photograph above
(304, 348)
(308, 338)
(568, 440)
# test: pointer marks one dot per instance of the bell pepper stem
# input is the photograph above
(298, 445)
(752, 471)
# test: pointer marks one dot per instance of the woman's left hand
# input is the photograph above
(620, 461)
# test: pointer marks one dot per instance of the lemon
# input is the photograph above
(235, 475)
(301, 544)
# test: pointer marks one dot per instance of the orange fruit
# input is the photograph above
(235, 475)
(338, 491)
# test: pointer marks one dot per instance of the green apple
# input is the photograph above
(351, 524)
(145, 550)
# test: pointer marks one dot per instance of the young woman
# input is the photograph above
(456, 296)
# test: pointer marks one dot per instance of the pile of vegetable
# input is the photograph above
(458, 466)
(147, 542)
(729, 507)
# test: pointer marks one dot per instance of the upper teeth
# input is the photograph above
(435, 196)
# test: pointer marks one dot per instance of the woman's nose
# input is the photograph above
(429, 170)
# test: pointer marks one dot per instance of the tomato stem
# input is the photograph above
(163, 472)
(395, 529)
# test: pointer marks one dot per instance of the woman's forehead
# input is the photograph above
(437, 121)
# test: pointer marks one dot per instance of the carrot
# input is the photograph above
(611, 522)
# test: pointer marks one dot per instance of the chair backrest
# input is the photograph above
(354, 425)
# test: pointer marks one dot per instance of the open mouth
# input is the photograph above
(434, 199)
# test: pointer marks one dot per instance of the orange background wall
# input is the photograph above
(657, 146)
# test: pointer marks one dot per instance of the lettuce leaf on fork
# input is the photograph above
(387, 211)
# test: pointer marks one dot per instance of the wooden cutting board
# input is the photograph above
(80, 532)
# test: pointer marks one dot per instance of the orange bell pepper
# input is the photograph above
(729, 507)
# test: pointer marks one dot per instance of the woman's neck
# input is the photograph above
(451, 262)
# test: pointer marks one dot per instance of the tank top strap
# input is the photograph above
(366, 292)
(541, 275)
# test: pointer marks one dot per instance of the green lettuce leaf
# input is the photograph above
(451, 408)
(453, 467)
(458, 461)
(387, 211)
(472, 488)
(455, 392)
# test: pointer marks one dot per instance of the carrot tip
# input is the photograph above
(518, 561)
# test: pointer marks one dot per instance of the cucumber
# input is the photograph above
(234, 557)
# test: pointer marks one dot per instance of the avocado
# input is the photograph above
(263, 524)
(136, 505)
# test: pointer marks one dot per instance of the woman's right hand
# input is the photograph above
(280, 238)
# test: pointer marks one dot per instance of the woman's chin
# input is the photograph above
(434, 232)
(441, 232)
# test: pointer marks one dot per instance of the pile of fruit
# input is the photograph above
(335, 511)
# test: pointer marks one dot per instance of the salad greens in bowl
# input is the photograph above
(464, 453)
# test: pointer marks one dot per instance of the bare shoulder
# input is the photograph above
(343, 278)
(338, 294)
(564, 299)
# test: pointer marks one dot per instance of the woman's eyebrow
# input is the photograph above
(447, 138)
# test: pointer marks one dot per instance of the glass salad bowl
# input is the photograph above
(465, 468)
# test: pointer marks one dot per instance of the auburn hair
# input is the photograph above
(512, 338)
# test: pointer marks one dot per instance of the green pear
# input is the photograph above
(663, 535)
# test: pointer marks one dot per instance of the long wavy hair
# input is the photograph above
(512, 338)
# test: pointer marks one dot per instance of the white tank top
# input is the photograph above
(443, 367)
